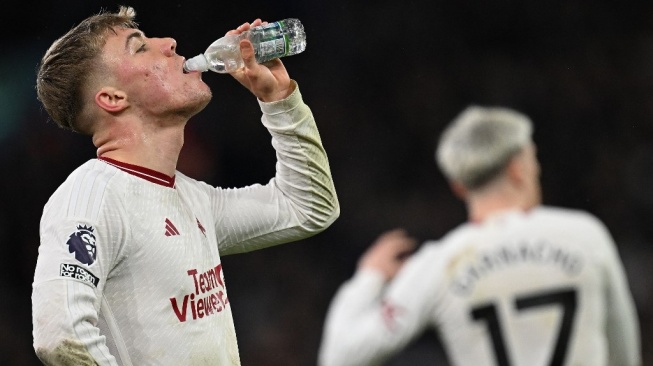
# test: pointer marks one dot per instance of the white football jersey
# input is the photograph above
(539, 288)
(129, 269)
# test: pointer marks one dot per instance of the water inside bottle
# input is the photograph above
(274, 40)
(225, 58)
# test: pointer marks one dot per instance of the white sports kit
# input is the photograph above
(129, 269)
(539, 288)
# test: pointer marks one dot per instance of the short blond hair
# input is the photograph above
(69, 63)
(478, 144)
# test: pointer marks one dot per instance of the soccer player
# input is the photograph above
(129, 269)
(520, 283)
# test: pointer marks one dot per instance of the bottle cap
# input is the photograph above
(197, 63)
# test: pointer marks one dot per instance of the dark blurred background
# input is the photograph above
(382, 78)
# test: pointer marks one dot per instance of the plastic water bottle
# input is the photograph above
(277, 39)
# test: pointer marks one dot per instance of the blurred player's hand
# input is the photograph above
(388, 253)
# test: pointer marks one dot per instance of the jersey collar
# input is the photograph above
(142, 172)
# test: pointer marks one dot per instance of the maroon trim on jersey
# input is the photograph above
(142, 172)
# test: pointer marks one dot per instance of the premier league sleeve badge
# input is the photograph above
(82, 244)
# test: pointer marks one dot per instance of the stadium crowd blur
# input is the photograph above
(382, 78)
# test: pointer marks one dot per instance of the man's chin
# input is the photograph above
(199, 104)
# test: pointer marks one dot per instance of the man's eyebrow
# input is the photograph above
(131, 36)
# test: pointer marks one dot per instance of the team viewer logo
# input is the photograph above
(208, 298)
(82, 243)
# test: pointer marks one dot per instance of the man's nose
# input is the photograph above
(169, 46)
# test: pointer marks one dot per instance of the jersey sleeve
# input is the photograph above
(75, 257)
(298, 202)
(368, 321)
(622, 324)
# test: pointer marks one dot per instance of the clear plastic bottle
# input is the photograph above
(277, 39)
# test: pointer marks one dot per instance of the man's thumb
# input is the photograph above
(247, 52)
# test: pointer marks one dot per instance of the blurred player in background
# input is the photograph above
(129, 269)
(518, 284)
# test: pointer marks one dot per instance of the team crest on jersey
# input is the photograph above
(199, 225)
(82, 244)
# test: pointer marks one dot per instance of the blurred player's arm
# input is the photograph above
(367, 323)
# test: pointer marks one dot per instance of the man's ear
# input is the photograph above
(458, 189)
(515, 169)
(111, 99)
